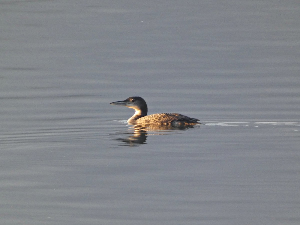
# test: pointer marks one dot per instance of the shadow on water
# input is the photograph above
(137, 135)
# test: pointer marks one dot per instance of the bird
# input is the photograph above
(141, 118)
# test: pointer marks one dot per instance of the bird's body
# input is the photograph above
(140, 117)
(166, 119)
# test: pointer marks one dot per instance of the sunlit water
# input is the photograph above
(69, 157)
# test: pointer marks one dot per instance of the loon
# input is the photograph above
(140, 117)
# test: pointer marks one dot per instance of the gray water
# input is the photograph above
(68, 157)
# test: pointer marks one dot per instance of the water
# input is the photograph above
(68, 157)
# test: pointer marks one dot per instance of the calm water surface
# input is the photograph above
(68, 157)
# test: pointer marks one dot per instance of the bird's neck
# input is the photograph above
(138, 114)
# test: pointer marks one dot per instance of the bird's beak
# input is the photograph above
(119, 103)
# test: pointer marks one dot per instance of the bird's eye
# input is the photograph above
(132, 100)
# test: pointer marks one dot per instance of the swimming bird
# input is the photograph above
(140, 116)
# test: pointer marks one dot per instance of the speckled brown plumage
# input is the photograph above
(167, 119)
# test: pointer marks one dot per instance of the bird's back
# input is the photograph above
(167, 119)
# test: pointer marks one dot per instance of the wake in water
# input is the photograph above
(254, 124)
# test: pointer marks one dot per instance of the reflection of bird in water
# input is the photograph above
(140, 117)
(137, 137)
